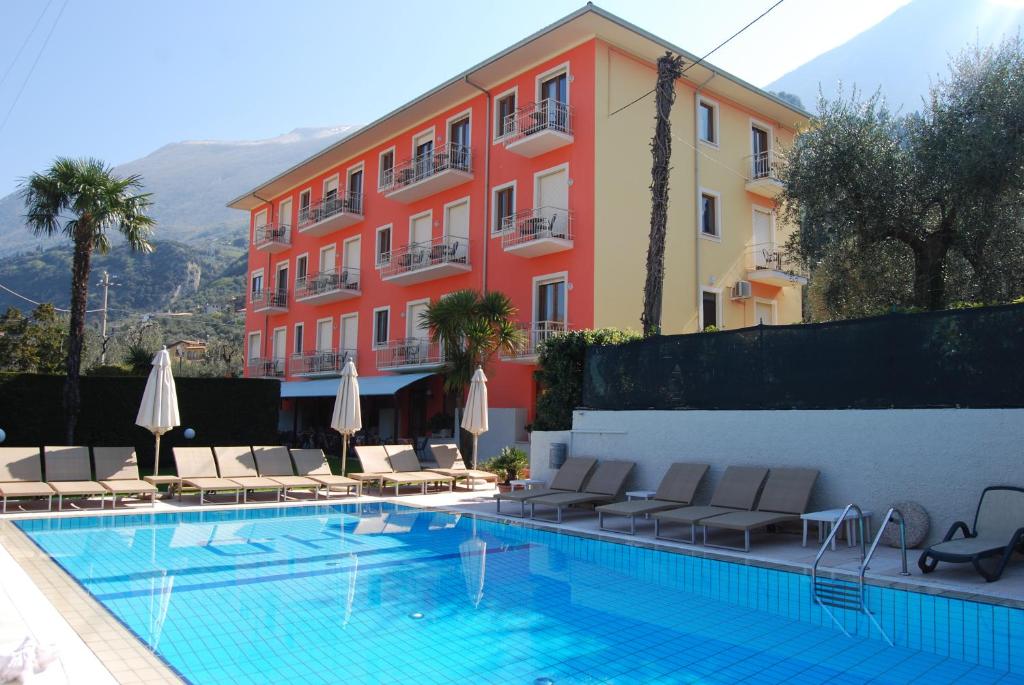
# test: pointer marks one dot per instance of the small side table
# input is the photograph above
(525, 483)
(831, 517)
(640, 494)
(173, 484)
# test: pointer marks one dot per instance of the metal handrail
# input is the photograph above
(451, 156)
(892, 513)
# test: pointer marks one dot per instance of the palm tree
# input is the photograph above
(471, 327)
(83, 200)
(670, 69)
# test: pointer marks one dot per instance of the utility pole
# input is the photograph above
(105, 284)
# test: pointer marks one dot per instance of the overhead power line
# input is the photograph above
(24, 43)
(36, 303)
(32, 69)
(708, 54)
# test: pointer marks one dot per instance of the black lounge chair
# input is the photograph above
(998, 531)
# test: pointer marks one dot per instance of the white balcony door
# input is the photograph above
(328, 255)
(279, 348)
(553, 201)
(414, 325)
(764, 312)
(456, 220)
(254, 346)
(284, 214)
(331, 189)
(349, 332)
(352, 256)
(764, 243)
(323, 336)
(421, 230)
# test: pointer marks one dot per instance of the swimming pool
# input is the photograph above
(385, 593)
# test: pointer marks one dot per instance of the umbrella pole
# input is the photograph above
(156, 457)
(344, 452)
(475, 438)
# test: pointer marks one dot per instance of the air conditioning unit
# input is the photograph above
(741, 290)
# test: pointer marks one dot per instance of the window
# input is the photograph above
(299, 330)
(282, 280)
(330, 190)
(383, 248)
(506, 108)
(550, 302)
(458, 139)
(424, 156)
(709, 215)
(554, 98)
(301, 268)
(709, 310)
(261, 218)
(504, 206)
(760, 152)
(254, 345)
(555, 88)
(387, 168)
(381, 321)
(707, 122)
(304, 202)
(257, 282)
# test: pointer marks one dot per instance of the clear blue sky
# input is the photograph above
(120, 78)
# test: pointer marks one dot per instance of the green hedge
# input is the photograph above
(222, 411)
(560, 373)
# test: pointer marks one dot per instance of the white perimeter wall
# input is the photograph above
(940, 458)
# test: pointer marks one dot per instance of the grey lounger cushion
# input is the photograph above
(236, 463)
(607, 484)
(275, 463)
(570, 478)
(736, 491)
(691, 514)
(312, 464)
(117, 470)
(677, 487)
(69, 472)
(21, 473)
(373, 459)
(786, 494)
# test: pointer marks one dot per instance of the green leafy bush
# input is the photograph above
(560, 373)
(509, 463)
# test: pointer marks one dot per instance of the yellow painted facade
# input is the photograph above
(622, 191)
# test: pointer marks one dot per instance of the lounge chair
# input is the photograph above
(373, 459)
(21, 475)
(69, 473)
(276, 464)
(313, 465)
(117, 470)
(450, 463)
(785, 496)
(198, 470)
(676, 489)
(737, 491)
(998, 530)
(237, 464)
(571, 477)
(408, 471)
(608, 484)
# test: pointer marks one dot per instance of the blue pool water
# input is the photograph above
(367, 593)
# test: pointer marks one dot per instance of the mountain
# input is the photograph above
(904, 52)
(190, 182)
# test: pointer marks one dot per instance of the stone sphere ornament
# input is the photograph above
(917, 525)
(189, 434)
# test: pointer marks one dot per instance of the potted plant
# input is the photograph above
(509, 463)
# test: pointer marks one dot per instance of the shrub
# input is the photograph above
(560, 373)
(509, 463)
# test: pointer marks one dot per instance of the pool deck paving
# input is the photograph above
(38, 599)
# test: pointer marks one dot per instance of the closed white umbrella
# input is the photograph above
(475, 418)
(158, 412)
(347, 417)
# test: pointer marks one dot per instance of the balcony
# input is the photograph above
(537, 232)
(537, 128)
(410, 355)
(272, 238)
(446, 167)
(763, 174)
(320, 364)
(334, 212)
(419, 262)
(269, 301)
(768, 264)
(265, 367)
(533, 334)
(328, 286)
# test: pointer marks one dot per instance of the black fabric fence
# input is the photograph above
(963, 358)
(222, 411)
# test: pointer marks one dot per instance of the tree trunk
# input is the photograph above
(76, 332)
(929, 274)
(670, 68)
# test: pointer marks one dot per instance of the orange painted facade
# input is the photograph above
(549, 155)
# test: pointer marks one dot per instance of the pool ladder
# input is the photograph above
(845, 594)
